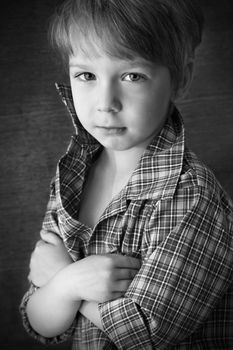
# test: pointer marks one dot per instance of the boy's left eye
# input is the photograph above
(133, 77)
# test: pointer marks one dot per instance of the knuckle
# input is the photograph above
(109, 261)
(107, 277)
(38, 243)
(30, 264)
(32, 259)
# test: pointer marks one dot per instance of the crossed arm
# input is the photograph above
(67, 287)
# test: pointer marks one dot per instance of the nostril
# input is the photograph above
(111, 109)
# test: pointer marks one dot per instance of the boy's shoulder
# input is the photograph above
(199, 171)
(198, 175)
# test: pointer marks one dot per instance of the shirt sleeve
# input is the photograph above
(46, 341)
(179, 282)
(50, 223)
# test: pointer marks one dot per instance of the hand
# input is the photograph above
(98, 277)
(48, 257)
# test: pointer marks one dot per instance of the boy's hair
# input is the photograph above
(162, 31)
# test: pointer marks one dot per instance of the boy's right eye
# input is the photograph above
(86, 76)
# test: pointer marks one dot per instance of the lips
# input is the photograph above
(111, 129)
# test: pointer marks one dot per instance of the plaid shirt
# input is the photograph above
(175, 217)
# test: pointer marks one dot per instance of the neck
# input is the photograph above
(122, 162)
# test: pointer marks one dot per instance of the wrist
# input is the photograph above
(90, 310)
(66, 284)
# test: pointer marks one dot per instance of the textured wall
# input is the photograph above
(35, 129)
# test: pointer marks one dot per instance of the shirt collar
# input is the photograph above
(66, 96)
(158, 171)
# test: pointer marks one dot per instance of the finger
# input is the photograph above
(125, 274)
(39, 243)
(133, 263)
(121, 286)
(117, 295)
(29, 277)
(127, 262)
(50, 237)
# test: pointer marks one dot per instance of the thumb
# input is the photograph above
(50, 237)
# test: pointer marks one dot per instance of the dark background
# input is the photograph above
(35, 129)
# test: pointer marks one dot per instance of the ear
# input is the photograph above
(187, 79)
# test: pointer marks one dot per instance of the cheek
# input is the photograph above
(148, 108)
(81, 105)
(84, 102)
(81, 112)
(154, 112)
(160, 103)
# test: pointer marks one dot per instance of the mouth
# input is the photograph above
(112, 130)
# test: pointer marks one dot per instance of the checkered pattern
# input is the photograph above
(176, 218)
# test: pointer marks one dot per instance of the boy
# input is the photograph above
(136, 249)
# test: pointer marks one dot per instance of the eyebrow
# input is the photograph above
(132, 63)
(75, 65)
(140, 62)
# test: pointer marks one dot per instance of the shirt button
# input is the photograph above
(112, 249)
(154, 324)
(62, 220)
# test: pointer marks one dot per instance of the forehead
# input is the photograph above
(91, 50)
(92, 54)
(93, 44)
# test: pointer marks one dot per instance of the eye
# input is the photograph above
(134, 77)
(86, 76)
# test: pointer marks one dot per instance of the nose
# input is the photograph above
(109, 99)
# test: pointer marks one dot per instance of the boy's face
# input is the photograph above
(122, 103)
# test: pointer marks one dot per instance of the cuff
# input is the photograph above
(47, 341)
(125, 325)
